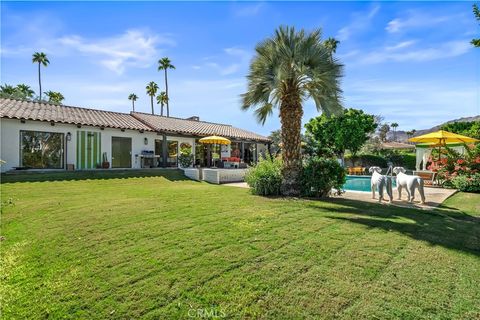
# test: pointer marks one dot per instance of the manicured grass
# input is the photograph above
(164, 247)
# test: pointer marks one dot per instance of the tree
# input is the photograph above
(476, 13)
(54, 97)
(331, 45)
(24, 91)
(152, 89)
(287, 69)
(162, 99)
(41, 59)
(469, 129)
(7, 91)
(394, 125)
(133, 97)
(165, 64)
(336, 134)
(383, 131)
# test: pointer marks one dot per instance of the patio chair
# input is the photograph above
(429, 177)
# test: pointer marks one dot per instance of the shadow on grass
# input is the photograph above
(169, 174)
(443, 227)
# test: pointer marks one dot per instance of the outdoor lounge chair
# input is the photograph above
(427, 176)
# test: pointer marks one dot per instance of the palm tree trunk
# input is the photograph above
(161, 109)
(291, 121)
(151, 101)
(39, 81)
(133, 105)
(166, 92)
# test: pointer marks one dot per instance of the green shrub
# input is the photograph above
(366, 160)
(185, 160)
(320, 175)
(265, 178)
(467, 184)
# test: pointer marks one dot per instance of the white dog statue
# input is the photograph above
(380, 182)
(410, 183)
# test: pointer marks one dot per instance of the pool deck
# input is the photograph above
(434, 196)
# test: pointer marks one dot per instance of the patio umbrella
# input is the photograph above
(442, 138)
(215, 140)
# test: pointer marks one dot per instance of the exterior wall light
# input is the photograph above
(69, 136)
(145, 141)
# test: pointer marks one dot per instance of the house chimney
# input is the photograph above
(194, 118)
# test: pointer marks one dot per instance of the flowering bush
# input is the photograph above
(459, 171)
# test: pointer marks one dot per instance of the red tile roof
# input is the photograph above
(196, 128)
(28, 110)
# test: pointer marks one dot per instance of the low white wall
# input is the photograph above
(192, 173)
(218, 176)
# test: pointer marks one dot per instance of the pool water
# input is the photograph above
(360, 183)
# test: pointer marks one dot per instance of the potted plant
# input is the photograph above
(105, 163)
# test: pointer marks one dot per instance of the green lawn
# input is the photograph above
(141, 245)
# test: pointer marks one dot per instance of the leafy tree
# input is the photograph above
(476, 13)
(54, 97)
(394, 125)
(383, 131)
(41, 59)
(469, 129)
(152, 89)
(161, 100)
(133, 97)
(287, 69)
(335, 134)
(165, 64)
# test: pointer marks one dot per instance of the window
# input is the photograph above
(172, 147)
(41, 150)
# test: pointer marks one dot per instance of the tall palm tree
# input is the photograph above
(152, 89)
(165, 64)
(133, 97)
(54, 97)
(394, 126)
(24, 91)
(162, 99)
(289, 68)
(41, 59)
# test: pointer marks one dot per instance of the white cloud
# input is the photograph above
(360, 22)
(134, 48)
(248, 10)
(403, 52)
(416, 20)
(232, 60)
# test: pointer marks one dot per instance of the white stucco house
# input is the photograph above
(42, 136)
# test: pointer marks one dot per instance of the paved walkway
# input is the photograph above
(434, 196)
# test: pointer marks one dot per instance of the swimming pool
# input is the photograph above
(361, 183)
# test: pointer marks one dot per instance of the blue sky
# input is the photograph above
(410, 62)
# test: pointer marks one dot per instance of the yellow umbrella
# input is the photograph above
(215, 140)
(442, 137)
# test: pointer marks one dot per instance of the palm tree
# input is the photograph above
(41, 59)
(152, 89)
(7, 91)
(165, 64)
(162, 99)
(394, 126)
(133, 97)
(54, 97)
(476, 13)
(331, 45)
(287, 69)
(24, 91)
